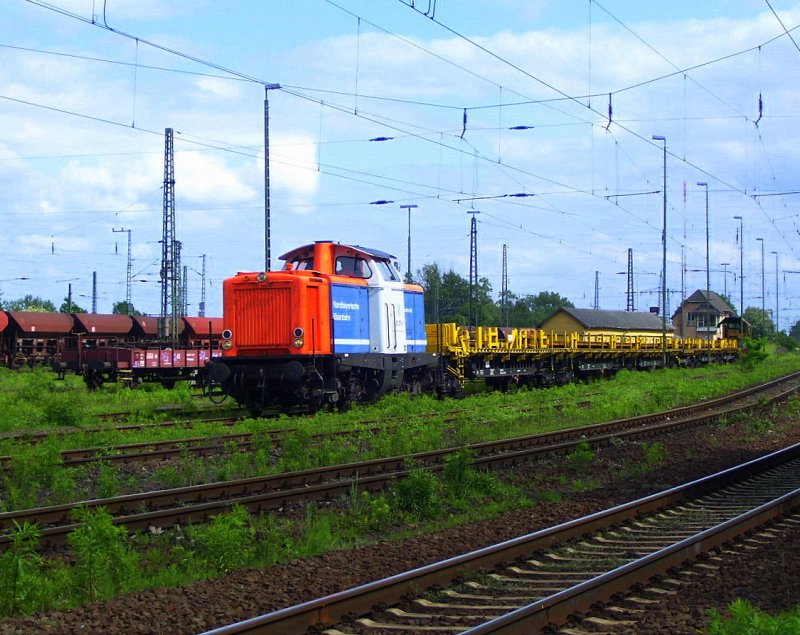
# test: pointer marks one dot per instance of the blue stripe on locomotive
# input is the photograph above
(415, 321)
(350, 312)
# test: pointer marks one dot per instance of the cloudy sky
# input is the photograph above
(477, 100)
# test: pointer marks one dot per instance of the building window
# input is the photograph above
(703, 320)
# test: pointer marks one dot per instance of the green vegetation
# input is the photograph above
(746, 619)
(581, 458)
(396, 425)
(106, 561)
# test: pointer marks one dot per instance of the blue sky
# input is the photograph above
(83, 110)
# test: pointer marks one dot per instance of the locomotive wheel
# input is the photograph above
(314, 402)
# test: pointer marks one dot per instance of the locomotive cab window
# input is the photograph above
(353, 267)
(388, 272)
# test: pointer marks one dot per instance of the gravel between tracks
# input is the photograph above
(770, 579)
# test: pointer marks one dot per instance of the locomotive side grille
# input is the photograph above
(263, 317)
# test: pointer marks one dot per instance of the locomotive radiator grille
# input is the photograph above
(262, 318)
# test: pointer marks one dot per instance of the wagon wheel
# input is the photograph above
(214, 392)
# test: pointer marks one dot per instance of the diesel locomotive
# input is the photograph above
(336, 324)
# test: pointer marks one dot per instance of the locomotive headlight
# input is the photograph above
(226, 345)
(261, 277)
(298, 342)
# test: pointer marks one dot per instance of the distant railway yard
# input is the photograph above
(149, 511)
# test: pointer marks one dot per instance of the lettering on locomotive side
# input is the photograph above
(346, 306)
(342, 317)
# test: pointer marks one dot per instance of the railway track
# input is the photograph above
(244, 442)
(543, 579)
(40, 435)
(165, 508)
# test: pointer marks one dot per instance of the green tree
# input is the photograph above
(532, 310)
(447, 295)
(795, 331)
(123, 308)
(70, 307)
(760, 321)
(447, 298)
(727, 301)
(30, 303)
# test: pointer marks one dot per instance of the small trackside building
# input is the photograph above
(600, 322)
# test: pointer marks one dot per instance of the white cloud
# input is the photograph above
(293, 165)
(219, 88)
(207, 179)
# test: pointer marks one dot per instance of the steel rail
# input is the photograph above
(554, 609)
(164, 508)
(204, 446)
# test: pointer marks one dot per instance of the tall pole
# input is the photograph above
(504, 286)
(408, 262)
(185, 292)
(128, 271)
(725, 266)
(763, 298)
(596, 290)
(473, 267)
(708, 271)
(777, 306)
(202, 307)
(630, 305)
(741, 264)
(170, 251)
(94, 292)
(664, 258)
(267, 237)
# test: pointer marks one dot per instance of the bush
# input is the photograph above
(21, 571)
(227, 542)
(104, 562)
(754, 352)
(417, 494)
(745, 618)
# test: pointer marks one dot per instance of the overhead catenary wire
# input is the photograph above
(440, 146)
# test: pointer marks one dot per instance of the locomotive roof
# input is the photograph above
(367, 251)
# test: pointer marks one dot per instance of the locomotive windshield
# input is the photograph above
(300, 264)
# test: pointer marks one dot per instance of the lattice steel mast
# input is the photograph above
(170, 249)
(473, 269)
(631, 304)
(504, 286)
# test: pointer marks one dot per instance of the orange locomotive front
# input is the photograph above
(335, 324)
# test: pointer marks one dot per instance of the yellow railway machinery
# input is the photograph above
(535, 357)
